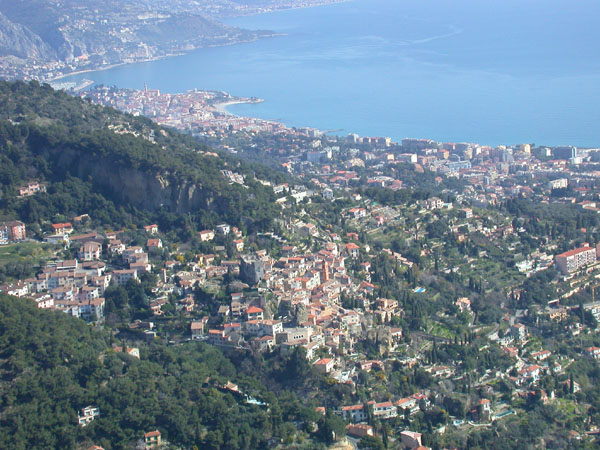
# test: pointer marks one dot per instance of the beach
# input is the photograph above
(222, 107)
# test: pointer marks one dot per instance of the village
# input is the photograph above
(443, 288)
(321, 291)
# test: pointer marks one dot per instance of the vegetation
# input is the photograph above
(53, 365)
(78, 148)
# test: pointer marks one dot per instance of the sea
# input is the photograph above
(491, 72)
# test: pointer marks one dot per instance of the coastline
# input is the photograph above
(221, 107)
(111, 66)
(158, 58)
(258, 13)
(222, 20)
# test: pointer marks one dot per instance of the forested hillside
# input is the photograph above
(52, 365)
(119, 169)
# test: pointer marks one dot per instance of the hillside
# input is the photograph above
(107, 32)
(52, 365)
(119, 169)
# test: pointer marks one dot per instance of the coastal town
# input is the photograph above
(299, 225)
(446, 287)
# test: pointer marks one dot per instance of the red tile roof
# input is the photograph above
(575, 251)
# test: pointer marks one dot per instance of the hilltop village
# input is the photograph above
(447, 290)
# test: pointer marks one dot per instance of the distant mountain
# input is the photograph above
(18, 40)
(117, 168)
(92, 33)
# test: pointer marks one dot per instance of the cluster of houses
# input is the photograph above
(309, 286)
(384, 410)
(77, 286)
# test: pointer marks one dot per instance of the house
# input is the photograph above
(594, 309)
(576, 385)
(324, 365)
(43, 301)
(434, 203)
(530, 372)
(90, 251)
(62, 228)
(152, 229)
(463, 304)
(197, 327)
(239, 245)
(206, 235)
(411, 439)
(223, 311)
(294, 335)
(541, 355)
(359, 430)
(466, 213)
(357, 213)
(410, 405)
(140, 266)
(254, 313)
(354, 413)
(352, 250)
(440, 371)
(153, 243)
(218, 337)
(115, 246)
(366, 287)
(81, 218)
(484, 408)
(133, 254)
(592, 352)
(223, 229)
(156, 306)
(385, 410)
(87, 415)
(18, 289)
(121, 277)
(153, 439)
(268, 327)
(265, 343)
(92, 309)
(31, 188)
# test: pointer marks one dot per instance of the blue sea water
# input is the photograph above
(493, 72)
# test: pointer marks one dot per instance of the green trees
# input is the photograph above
(52, 365)
(77, 149)
(331, 428)
(370, 443)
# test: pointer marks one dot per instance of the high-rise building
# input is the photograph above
(569, 262)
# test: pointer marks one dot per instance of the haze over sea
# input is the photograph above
(493, 72)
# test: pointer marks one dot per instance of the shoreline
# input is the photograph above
(221, 107)
(332, 2)
(110, 66)
(222, 20)
(158, 58)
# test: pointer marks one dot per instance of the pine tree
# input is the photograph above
(384, 436)
(571, 384)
